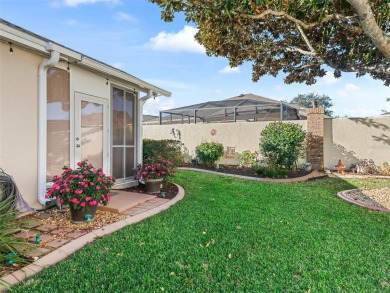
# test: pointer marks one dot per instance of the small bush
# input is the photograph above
(385, 169)
(260, 171)
(208, 153)
(247, 158)
(282, 173)
(273, 173)
(270, 173)
(282, 144)
(166, 148)
(162, 169)
(366, 167)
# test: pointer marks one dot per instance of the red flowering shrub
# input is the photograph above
(161, 169)
(82, 187)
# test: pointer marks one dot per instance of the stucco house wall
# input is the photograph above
(87, 82)
(19, 118)
(26, 113)
(19, 113)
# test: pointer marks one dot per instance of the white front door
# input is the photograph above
(91, 131)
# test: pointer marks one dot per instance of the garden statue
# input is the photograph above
(340, 167)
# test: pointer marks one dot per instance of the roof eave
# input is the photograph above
(111, 71)
(39, 44)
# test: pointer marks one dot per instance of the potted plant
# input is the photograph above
(82, 189)
(306, 166)
(153, 174)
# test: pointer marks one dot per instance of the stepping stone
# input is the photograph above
(11, 231)
(46, 228)
(36, 252)
(26, 234)
(43, 216)
(44, 238)
(57, 243)
(125, 200)
(20, 248)
(76, 234)
(61, 231)
(31, 223)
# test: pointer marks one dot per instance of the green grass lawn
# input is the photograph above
(237, 235)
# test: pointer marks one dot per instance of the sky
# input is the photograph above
(131, 36)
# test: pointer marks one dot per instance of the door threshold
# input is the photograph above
(125, 185)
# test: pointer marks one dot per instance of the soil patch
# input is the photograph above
(167, 191)
(248, 171)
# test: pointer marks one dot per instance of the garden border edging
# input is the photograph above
(310, 176)
(343, 196)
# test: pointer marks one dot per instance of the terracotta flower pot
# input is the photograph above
(153, 185)
(81, 216)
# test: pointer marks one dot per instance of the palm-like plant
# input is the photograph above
(8, 226)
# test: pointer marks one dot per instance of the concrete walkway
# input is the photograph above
(135, 214)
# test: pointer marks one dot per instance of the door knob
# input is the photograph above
(77, 145)
(77, 138)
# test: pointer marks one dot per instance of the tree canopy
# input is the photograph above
(307, 100)
(294, 37)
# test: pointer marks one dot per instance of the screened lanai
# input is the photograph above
(246, 107)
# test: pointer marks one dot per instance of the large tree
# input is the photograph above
(296, 37)
(307, 100)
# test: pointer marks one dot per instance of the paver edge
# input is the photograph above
(343, 196)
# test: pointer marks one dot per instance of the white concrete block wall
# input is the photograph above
(354, 139)
(348, 139)
(241, 135)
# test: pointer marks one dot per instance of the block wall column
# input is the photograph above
(315, 137)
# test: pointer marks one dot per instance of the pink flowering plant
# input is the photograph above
(81, 188)
(160, 169)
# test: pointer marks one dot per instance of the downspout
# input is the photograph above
(42, 119)
(141, 103)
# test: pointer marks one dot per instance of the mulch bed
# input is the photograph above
(167, 191)
(246, 171)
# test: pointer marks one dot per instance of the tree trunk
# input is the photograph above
(370, 27)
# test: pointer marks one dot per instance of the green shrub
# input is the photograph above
(281, 173)
(384, 169)
(169, 149)
(282, 144)
(208, 153)
(270, 173)
(247, 158)
(260, 171)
